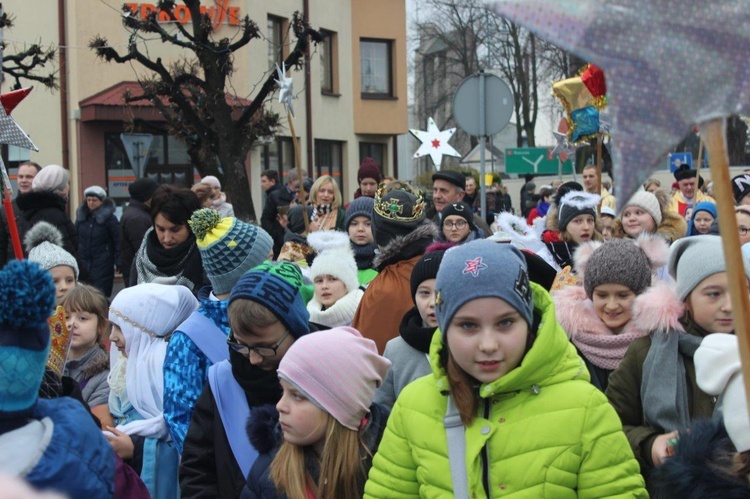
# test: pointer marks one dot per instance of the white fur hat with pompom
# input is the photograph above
(335, 257)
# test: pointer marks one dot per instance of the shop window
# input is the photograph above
(329, 160)
(278, 155)
(375, 151)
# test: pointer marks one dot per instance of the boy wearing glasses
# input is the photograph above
(266, 315)
(457, 224)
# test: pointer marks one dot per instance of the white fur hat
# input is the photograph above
(335, 257)
(718, 371)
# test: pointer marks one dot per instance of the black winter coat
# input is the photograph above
(134, 223)
(6, 244)
(208, 468)
(49, 207)
(99, 243)
(265, 434)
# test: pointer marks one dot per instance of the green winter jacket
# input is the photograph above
(547, 431)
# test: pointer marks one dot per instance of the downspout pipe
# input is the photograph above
(308, 100)
(63, 58)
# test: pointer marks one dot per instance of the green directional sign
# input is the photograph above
(535, 160)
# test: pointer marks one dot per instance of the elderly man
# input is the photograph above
(590, 179)
(689, 193)
(449, 187)
(26, 173)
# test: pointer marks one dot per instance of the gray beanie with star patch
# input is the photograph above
(482, 269)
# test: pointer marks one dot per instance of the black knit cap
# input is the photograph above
(426, 268)
(456, 178)
(458, 209)
(740, 187)
(564, 189)
(142, 189)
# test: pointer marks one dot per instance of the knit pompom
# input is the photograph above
(324, 240)
(41, 232)
(28, 295)
(203, 221)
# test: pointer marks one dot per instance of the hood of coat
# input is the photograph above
(694, 469)
(101, 214)
(32, 202)
(406, 247)
(656, 309)
(551, 359)
(672, 227)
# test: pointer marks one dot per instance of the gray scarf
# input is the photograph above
(664, 391)
(148, 271)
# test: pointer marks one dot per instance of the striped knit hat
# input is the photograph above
(337, 370)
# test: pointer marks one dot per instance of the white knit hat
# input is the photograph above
(718, 371)
(648, 202)
(335, 257)
(51, 178)
(44, 245)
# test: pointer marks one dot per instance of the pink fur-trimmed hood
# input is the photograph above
(659, 309)
(656, 309)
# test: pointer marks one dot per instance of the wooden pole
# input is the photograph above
(714, 134)
(700, 163)
(298, 165)
(599, 139)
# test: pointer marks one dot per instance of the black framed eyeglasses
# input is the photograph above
(743, 230)
(460, 224)
(265, 352)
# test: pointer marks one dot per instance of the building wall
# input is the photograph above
(340, 117)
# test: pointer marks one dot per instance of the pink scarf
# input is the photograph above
(605, 350)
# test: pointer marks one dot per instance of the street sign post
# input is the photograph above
(483, 106)
(535, 160)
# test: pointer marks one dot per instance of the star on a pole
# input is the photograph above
(564, 148)
(286, 87)
(434, 143)
(644, 48)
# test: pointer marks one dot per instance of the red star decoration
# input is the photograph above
(435, 143)
(474, 266)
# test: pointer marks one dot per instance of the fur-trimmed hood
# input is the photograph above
(656, 309)
(699, 467)
(672, 227)
(101, 214)
(406, 247)
(32, 202)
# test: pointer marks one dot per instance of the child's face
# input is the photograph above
(607, 227)
(487, 338)
(329, 289)
(84, 328)
(64, 278)
(581, 228)
(636, 220)
(118, 339)
(702, 222)
(455, 228)
(710, 306)
(360, 231)
(301, 421)
(272, 336)
(613, 304)
(425, 299)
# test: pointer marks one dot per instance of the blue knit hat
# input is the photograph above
(706, 206)
(28, 300)
(360, 207)
(229, 247)
(276, 286)
(481, 269)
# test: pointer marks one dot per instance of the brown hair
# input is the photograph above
(462, 386)
(244, 315)
(85, 298)
(342, 471)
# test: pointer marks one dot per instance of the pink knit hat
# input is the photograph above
(337, 370)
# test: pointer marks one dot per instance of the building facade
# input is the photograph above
(355, 106)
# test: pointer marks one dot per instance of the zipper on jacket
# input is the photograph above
(486, 455)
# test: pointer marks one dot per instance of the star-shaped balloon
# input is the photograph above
(663, 74)
(564, 147)
(286, 87)
(434, 143)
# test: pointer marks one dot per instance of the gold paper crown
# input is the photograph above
(60, 339)
(392, 209)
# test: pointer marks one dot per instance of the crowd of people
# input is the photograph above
(385, 346)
